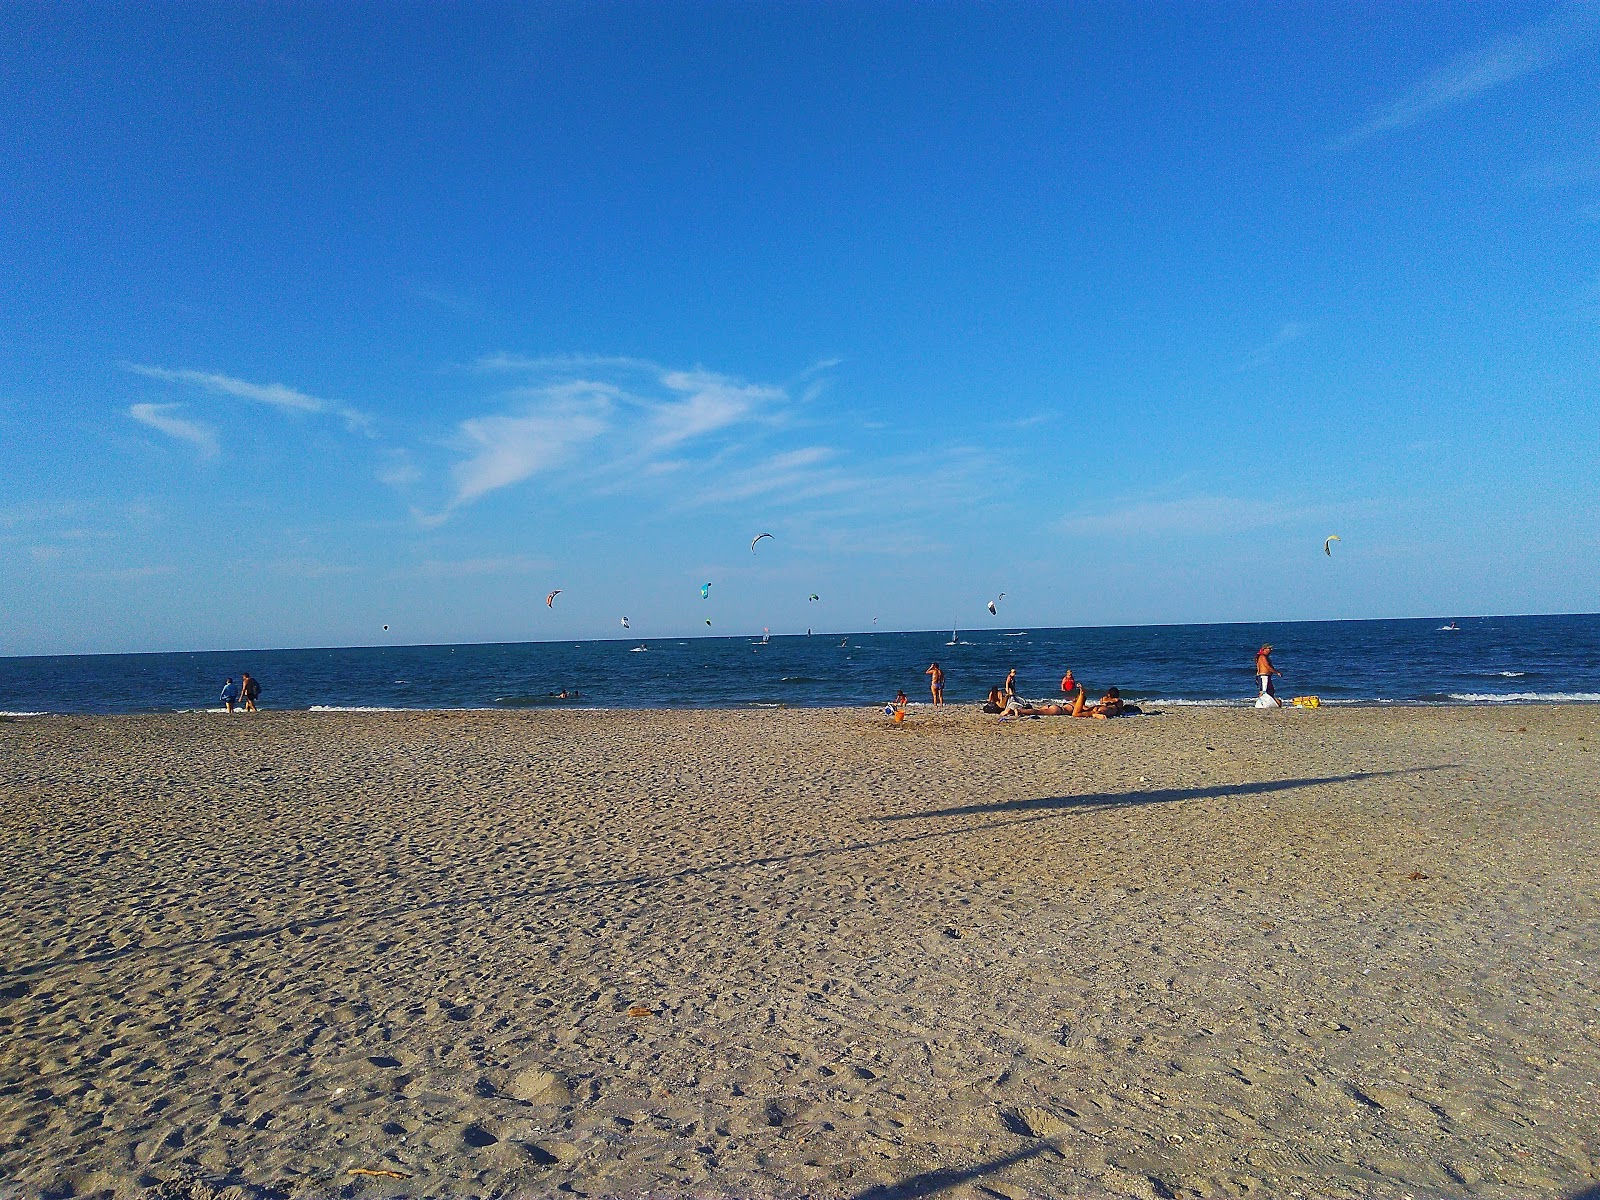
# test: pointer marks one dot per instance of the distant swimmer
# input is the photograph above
(1265, 670)
(935, 675)
(230, 693)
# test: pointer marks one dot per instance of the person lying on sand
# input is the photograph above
(1111, 705)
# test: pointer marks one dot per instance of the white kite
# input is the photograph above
(1327, 546)
(625, 624)
(756, 539)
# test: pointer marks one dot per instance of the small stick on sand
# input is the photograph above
(370, 1171)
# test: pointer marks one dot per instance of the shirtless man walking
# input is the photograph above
(936, 683)
(1265, 670)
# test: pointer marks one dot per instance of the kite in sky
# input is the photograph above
(1327, 546)
(550, 600)
(705, 591)
(756, 539)
(625, 624)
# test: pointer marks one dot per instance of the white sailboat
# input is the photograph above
(955, 638)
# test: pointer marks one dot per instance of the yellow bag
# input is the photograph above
(1306, 702)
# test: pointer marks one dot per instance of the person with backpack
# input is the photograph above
(250, 689)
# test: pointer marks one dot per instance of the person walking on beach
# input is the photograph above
(1265, 670)
(935, 675)
(230, 693)
(250, 688)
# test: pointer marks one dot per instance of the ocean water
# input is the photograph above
(1487, 660)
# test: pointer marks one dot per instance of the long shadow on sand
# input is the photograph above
(1051, 807)
(1154, 796)
(931, 1183)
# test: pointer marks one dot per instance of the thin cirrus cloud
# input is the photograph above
(277, 395)
(1288, 333)
(160, 417)
(1191, 515)
(1569, 30)
(609, 421)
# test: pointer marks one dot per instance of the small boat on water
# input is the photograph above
(1450, 628)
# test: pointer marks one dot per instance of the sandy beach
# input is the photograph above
(1344, 953)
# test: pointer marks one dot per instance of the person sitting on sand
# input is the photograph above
(996, 701)
(900, 700)
(1110, 704)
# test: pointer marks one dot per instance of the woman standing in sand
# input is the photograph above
(936, 683)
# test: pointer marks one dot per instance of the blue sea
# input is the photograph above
(1484, 660)
(1495, 660)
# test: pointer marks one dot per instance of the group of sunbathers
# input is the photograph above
(1003, 699)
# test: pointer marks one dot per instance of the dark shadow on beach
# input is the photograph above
(1042, 809)
(1592, 1192)
(931, 1183)
(1155, 796)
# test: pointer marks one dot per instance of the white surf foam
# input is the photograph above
(354, 708)
(1527, 697)
(7, 713)
(1196, 703)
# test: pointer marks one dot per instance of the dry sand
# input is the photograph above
(1209, 953)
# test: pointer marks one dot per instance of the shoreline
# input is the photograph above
(1549, 700)
(783, 954)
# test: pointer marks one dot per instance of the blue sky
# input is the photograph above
(321, 318)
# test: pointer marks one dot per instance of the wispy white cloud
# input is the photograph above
(130, 574)
(1186, 515)
(1565, 171)
(462, 568)
(159, 417)
(1570, 29)
(277, 395)
(398, 470)
(522, 363)
(506, 449)
(803, 474)
(307, 568)
(1289, 332)
(705, 403)
(605, 422)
